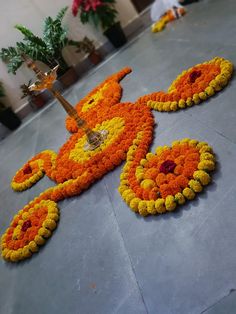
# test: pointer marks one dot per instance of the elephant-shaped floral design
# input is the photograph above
(150, 183)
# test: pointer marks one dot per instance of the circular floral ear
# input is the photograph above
(161, 181)
(29, 230)
(28, 175)
(192, 86)
(33, 170)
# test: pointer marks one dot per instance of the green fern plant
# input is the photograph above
(47, 49)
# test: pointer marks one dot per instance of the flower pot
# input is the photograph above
(37, 101)
(69, 78)
(95, 57)
(9, 119)
(116, 35)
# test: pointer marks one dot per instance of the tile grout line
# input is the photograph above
(132, 267)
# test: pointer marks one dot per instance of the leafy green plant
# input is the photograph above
(97, 12)
(25, 90)
(86, 45)
(47, 49)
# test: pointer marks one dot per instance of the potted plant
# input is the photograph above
(101, 13)
(7, 116)
(47, 49)
(36, 99)
(87, 46)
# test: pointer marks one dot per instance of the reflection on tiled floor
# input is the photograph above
(103, 258)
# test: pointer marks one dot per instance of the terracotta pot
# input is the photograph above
(95, 57)
(69, 78)
(38, 101)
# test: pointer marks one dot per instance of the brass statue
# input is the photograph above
(46, 81)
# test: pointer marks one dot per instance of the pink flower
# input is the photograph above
(75, 6)
(92, 4)
(167, 166)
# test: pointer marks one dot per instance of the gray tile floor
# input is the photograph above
(103, 258)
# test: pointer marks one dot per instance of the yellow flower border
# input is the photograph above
(214, 86)
(200, 178)
(27, 183)
(44, 232)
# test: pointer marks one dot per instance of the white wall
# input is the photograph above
(32, 13)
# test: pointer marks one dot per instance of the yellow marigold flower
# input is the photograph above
(14, 257)
(159, 150)
(210, 91)
(185, 140)
(196, 99)
(33, 247)
(166, 106)
(170, 203)
(150, 103)
(149, 156)
(49, 224)
(129, 197)
(195, 186)
(134, 204)
(142, 208)
(148, 184)
(203, 96)
(122, 188)
(179, 198)
(160, 205)
(207, 156)
(202, 176)
(160, 106)
(130, 157)
(189, 102)
(53, 216)
(205, 149)
(25, 216)
(207, 165)
(188, 193)
(143, 162)
(201, 144)
(26, 252)
(8, 255)
(174, 106)
(193, 143)
(44, 232)
(39, 240)
(174, 143)
(125, 193)
(4, 252)
(151, 207)
(123, 176)
(182, 103)
(140, 176)
(155, 105)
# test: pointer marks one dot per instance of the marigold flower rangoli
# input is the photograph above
(150, 183)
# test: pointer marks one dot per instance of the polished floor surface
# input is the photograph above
(103, 259)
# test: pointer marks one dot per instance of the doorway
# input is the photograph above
(140, 5)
